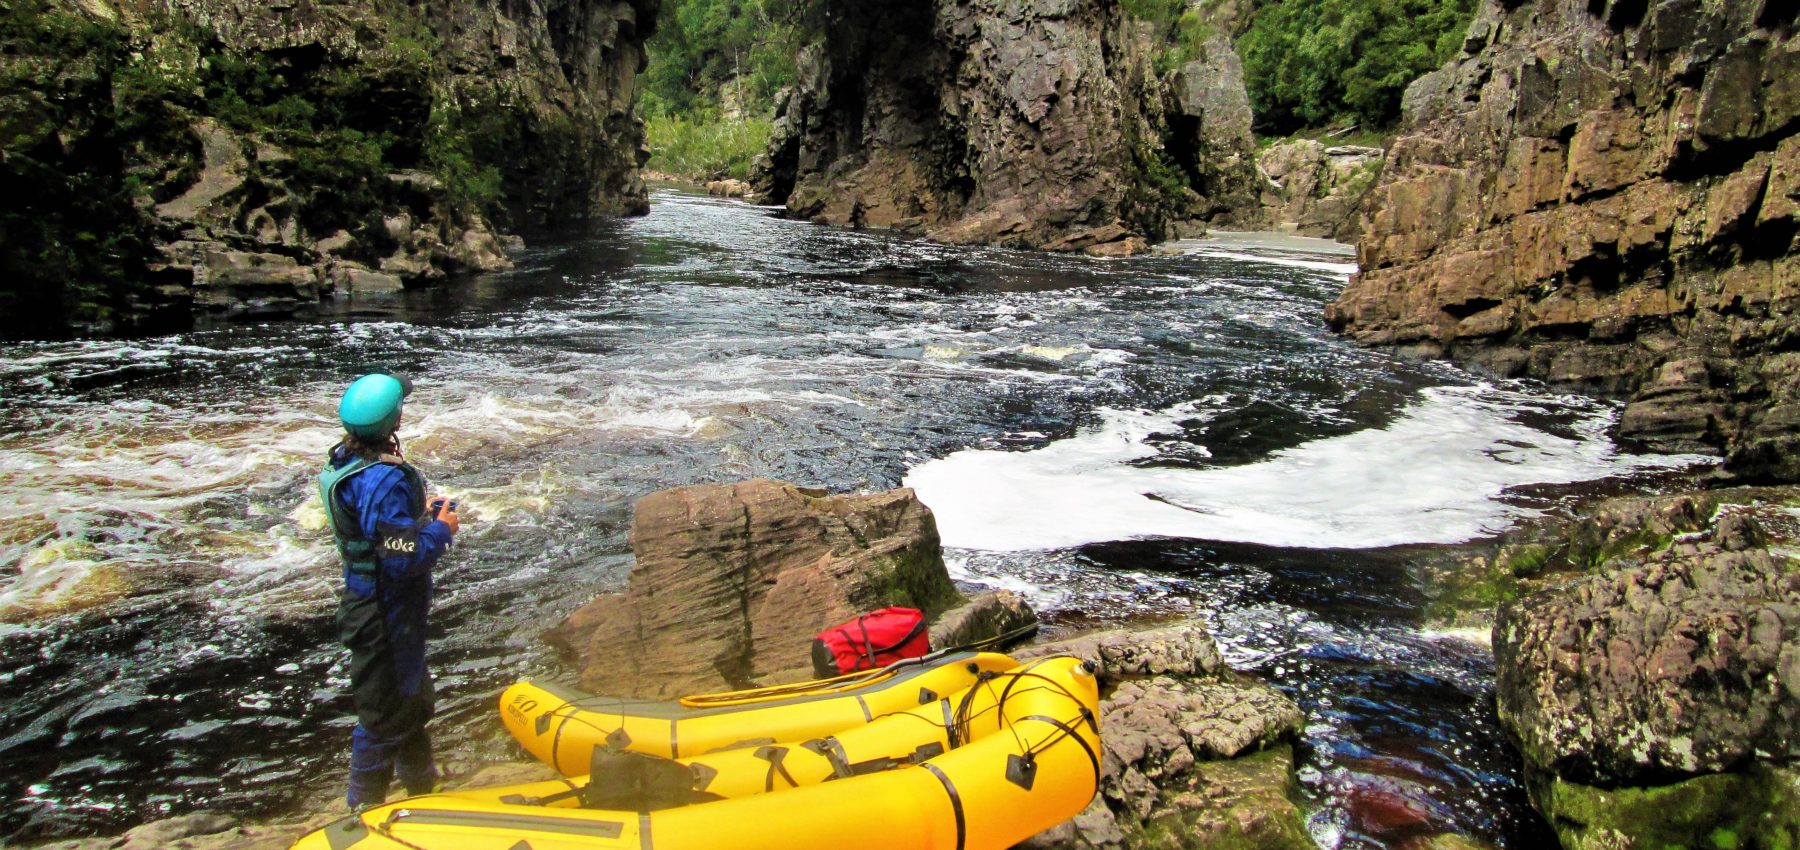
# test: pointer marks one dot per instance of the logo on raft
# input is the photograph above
(522, 708)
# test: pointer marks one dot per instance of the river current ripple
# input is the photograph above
(1127, 439)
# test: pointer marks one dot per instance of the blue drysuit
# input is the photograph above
(381, 618)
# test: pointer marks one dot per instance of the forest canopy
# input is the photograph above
(1310, 63)
(709, 54)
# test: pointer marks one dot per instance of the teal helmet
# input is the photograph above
(370, 409)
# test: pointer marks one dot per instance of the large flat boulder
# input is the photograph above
(733, 580)
(1686, 664)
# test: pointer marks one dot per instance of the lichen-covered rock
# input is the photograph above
(1688, 664)
(1194, 754)
(1184, 649)
(1595, 191)
(1040, 124)
(733, 580)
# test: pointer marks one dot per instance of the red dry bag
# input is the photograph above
(875, 639)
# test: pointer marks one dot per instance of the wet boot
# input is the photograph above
(413, 762)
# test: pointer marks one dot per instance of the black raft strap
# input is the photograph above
(774, 756)
(956, 806)
(913, 633)
(868, 645)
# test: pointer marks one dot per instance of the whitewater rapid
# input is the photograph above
(1438, 474)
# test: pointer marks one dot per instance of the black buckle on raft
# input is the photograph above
(1021, 770)
(703, 775)
(926, 752)
(543, 723)
(927, 696)
(618, 738)
(522, 845)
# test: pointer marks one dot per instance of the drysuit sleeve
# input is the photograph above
(405, 547)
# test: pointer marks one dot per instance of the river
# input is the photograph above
(1118, 439)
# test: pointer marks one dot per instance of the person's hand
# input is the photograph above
(445, 510)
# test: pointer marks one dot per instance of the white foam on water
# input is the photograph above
(1289, 262)
(1436, 475)
(1467, 634)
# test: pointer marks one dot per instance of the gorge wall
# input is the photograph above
(237, 158)
(1059, 124)
(1605, 194)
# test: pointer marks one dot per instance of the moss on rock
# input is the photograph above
(1245, 803)
(1755, 810)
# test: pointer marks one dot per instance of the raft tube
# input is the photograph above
(562, 726)
(1033, 763)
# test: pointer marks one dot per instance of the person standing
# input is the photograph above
(390, 537)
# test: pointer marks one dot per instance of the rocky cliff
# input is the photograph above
(230, 157)
(1605, 194)
(1316, 189)
(1060, 124)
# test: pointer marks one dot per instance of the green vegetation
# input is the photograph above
(1160, 184)
(706, 52)
(96, 126)
(1184, 24)
(1309, 63)
(70, 236)
(461, 147)
(709, 91)
(705, 148)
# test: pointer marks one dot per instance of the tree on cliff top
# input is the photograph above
(708, 52)
(1308, 63)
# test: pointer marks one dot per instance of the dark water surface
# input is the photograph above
(1119, 439)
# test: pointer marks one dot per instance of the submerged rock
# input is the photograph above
(728, 188)
(733, 580)
(212, 831)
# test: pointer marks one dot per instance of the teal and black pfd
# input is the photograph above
(361, 554)
(370, 410)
